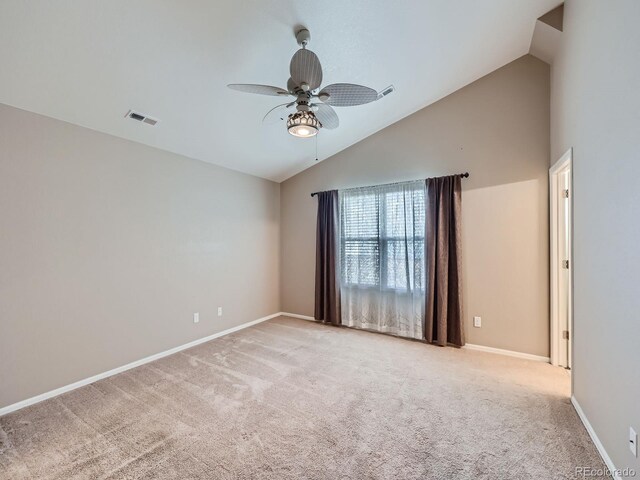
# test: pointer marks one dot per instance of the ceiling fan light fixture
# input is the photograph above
(303, 124)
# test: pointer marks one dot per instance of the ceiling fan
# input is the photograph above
(313, 106)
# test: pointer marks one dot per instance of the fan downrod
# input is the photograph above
(303, 37)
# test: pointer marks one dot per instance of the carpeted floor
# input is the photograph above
(292, 399)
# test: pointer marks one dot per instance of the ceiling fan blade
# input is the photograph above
(259, 89)
(327, 116)
(277, 113)
(347, 94)
(305, 68)
(291, 86)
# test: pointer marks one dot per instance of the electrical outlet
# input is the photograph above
(219, 311)
(633, 442)
(196, 317)
(477, 322)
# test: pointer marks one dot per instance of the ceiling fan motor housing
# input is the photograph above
(302, 103)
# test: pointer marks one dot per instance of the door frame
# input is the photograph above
(565, 162)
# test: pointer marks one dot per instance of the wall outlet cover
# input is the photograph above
(477, 322)
(219, 311)
(196, 317)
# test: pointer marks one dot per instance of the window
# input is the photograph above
(382, 237)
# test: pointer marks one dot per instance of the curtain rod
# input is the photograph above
(461, 175)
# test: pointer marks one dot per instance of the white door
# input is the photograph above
(564, 272)
(561, 265)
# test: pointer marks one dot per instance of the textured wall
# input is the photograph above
(596, 110)
(108, 247)
(497, 128)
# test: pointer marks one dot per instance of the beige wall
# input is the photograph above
(107, 247)
(596, 110)
(497, 129)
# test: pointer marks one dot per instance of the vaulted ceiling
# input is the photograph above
(89, 62)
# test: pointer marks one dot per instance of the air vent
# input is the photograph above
(386, 91)
(141, 117)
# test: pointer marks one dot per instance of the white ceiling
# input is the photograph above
(89, 61)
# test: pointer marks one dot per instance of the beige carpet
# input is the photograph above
(291, 399)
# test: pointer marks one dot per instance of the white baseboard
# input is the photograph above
(81, 383)
(296, 315)
(596, 441)
(510, 353)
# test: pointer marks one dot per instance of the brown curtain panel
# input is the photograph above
(443, 308)
(327, 306)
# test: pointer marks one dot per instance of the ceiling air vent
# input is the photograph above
(141, 117)
(386, 91)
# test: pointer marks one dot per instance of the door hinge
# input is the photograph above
(565, 264)
(565, 334)
(565, 193)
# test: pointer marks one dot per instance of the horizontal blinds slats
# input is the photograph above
(382, 235)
